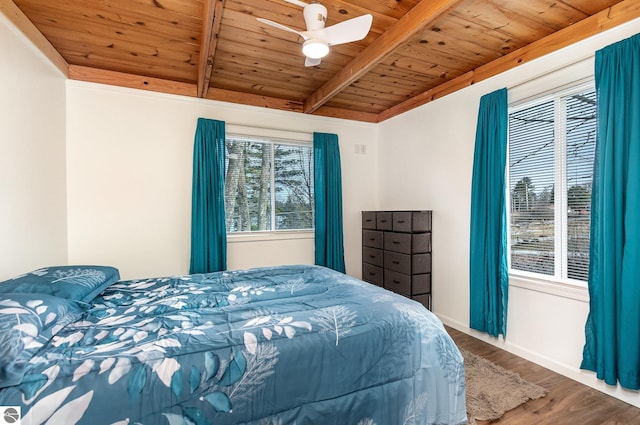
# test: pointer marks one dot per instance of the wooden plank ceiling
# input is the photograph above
(415, 52)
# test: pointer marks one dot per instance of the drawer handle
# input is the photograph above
(395, 242)
(372, 256)
(383, 221)
(396, 281)
(400, 221)
(396, 262)
(372, 274)
(372, 239)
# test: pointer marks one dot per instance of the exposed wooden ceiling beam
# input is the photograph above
(286, 105)
(121, 79)
(418, 17)
(608, 18)
(210, 27)
(19, 19)
(232, 96)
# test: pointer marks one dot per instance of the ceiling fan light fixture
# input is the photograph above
(315, 49)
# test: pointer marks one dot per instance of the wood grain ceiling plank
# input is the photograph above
(498, 15)
(212, 19)
(284, 58)
(408, 89)
(243, 98)
(241, 78)
(240, 82)
(590, 7)
(174, 51)
(393, 69)
(481, 34)
(127, 66)
(141, 56)
(266, 69)
(420, 15)
(152, 31)
(346, 114)
(373, 107)
(393, 8)
(420, 70)
(300, 86)
(157, 23)
(606, 19)
(373, 97)
(462, 39)
(553, 13)
(101, 76)
(169, 10)
(22, 22)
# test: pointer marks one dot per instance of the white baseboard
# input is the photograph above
(581, 376)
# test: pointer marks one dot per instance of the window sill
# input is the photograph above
(281, 235)
(575, 292)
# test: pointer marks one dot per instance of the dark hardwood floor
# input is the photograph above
(567, 402)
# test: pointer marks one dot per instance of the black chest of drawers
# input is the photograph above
(396, 252)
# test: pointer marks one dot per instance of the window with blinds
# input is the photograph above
(268, 185)
(550, 172)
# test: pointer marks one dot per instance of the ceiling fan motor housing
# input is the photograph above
(315, 16)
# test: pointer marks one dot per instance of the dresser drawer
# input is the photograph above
(369, 220)
(372, 256)
(373, 238)
(421, 284)
(397, 282)
(398, 242)
(421, 242)
(397, 262)
(384, 220)
(412, 221)
(372, 274)
(421, 263)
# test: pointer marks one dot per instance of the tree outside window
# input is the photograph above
(268, 185)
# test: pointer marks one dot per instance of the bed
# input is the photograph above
(275, 345)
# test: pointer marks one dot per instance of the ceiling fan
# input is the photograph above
(317, 38)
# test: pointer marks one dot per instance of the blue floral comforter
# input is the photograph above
(280, 345)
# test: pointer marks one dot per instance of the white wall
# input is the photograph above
(432, 147)
(130, 158)
(33, 230)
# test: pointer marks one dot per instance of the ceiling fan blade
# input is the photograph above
(297, 3)
(345, 32)
(311, 62)
(284, 28)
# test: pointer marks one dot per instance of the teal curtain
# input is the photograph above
(208, 230)
(489, 279)
(612, 347)
(329, 244)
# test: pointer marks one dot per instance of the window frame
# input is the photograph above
(556, 283)
(271, 137)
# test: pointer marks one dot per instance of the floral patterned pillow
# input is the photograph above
(27, 323)
(78, 283)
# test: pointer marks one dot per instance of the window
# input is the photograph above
(268, 185)
(550, 171)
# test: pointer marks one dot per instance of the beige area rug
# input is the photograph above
(492, 390)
